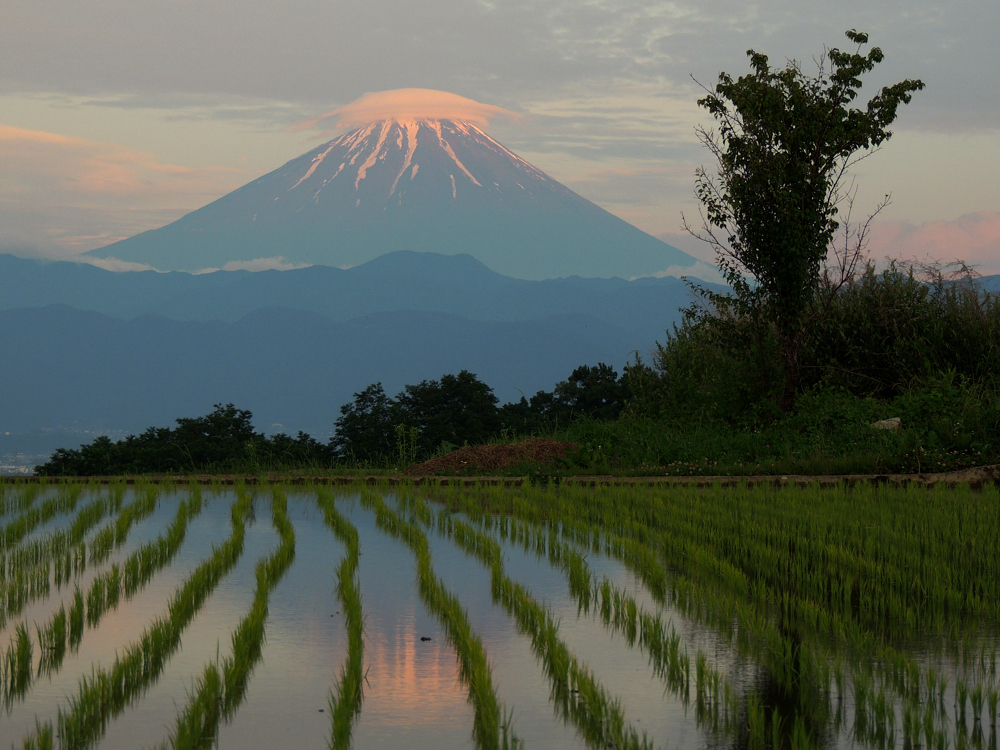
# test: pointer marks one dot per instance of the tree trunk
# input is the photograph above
(790, 346)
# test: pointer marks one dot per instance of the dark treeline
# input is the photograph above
(374, 430)
(894, 343)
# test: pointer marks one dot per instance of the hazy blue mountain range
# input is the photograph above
(458, 285)
(422, 185)
(81, 370)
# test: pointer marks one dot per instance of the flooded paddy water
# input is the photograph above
(146, 616)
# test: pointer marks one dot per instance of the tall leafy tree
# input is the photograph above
(366, 427)
(456, 409)
(784, 144)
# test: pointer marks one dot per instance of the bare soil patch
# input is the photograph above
(540, 451)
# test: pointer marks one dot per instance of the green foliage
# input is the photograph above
(895, 343)
(784, 144)
(453, 411)
(892, 328)
(456, 409)
(489, 730)
(345, 700)
(590, 391)
(365, 429)
(222, 439)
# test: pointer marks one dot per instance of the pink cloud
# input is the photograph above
(973, 238)
(66, 194)
(406, 104)
(36, 160)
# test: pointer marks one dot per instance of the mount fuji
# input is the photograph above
(402, 182)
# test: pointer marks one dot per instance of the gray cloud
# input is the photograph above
(507, 53)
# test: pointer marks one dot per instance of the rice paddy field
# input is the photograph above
(270, 616)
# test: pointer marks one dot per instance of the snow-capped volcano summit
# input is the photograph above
(407, 183)
(410, 166)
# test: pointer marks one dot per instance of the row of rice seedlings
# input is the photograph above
(618, 611)
(125, 581)
(105, 591)
(113, 536)
(490, 725)
(27, 567)
(645, 563)
(219, 692)
(39, 551)
(17, 665)
(716, 702)
(787, 631)
(108, 691)
(345, 700)
(577, 695)
(930, 524)
(18, 498)
(70, 551)
(16, 529)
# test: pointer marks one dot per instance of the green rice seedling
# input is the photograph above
(114, 535)
(977, 698)
(26, 567)
(76, 613)
(474, 668)
(220, 691)
(65, 501)
(886, 532)
(108, 691)
(42, 739)
(619, 611)
(52, 641)
(33, 561)
(18, 660)
(992, 698)
(755, 723)
(249, 635)
(776, 729)
(576, 693)
(198, 725)
(345, 701)
(17, 499)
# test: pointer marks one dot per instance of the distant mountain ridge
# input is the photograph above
(456, 285)
(80, 370)
(416, 184)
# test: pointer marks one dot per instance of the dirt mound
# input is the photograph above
(491, 458)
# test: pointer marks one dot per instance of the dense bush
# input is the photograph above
(887, 333)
